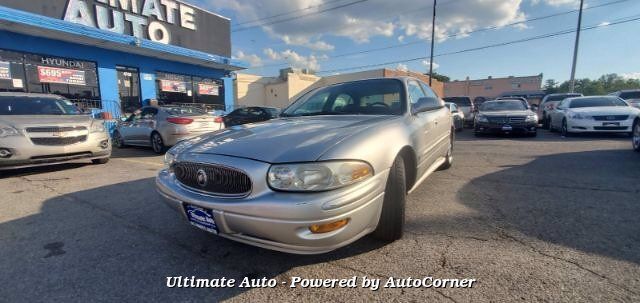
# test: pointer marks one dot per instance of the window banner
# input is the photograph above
(173, 86)
(5, 70)
(47, 74)
(208, 89)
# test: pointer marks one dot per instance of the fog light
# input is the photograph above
(5, 153)
(329, 227)
(104, 144)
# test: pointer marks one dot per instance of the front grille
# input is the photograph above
(54, 129)
(53, 141)
(611, 118)
(506, 120)
(610, 128)
(213, 179)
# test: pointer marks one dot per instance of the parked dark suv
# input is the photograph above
(250, 115)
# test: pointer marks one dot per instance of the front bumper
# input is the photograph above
(280, 221)
(593, 126)
(521, 128)
(24, 153)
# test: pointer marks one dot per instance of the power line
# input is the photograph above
(545, 36)
(299, 17)
(348, 54)
(288, 13)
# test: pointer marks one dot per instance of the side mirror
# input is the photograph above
(425, 104)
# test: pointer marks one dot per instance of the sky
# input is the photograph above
(338, 36)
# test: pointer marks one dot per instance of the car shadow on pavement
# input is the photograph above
(23, 172)
(120, 243)
(133, 152)
(543, 136)
(586, 201)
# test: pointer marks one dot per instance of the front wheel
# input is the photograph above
(118, 141)
(391, 222)
(157, 143)
(636, 136)
(565, 130)
(449, 157)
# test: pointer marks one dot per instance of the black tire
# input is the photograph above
(533, 135)
(636, 136)
(545, 121)
(391, 222)
(449, 157)
(100, 161)
(564, 131)
(157, 144)
(118, 141)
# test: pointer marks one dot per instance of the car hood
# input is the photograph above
(606, 110)
(506, 113)
(22, 121)
(283, 140)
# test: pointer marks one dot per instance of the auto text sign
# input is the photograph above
(5, 70)
(47, 74)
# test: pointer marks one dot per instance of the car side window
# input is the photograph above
(239, 112)
(255, 112)
(454, 108)
(415, 92)
(341, 102)
(563, 104)
(428, 91)
(149, 113)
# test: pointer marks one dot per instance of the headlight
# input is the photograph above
(169, 158)
(578, 116)
(319, 176)
(482, 118)
(532, 118)
(97, 127)
(7, 131)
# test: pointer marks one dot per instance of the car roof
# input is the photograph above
(31, 95)
(563, 94)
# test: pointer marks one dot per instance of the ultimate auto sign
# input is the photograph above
(164, 21)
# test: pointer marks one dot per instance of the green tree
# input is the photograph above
(550, 86)
(439, 77)
(604, 85)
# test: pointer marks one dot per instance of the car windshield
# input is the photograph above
(184, 111)
(273, 112)
(561, 97)
(596, 102)
(369, 97)
(22, 105)
(460, 101)
(630, 95)
(502, 106)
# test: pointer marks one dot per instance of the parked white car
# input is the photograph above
(593, 114)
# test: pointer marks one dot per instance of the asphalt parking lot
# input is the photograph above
(532, 219)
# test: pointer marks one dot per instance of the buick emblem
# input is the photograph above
(201, 178)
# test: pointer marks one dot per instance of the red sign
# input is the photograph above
(173, 86)
(48, 74)
(207, 89)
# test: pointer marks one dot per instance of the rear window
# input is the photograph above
(14, 106)
(630, 95)
(596, 102)
(184, 111)
(460, 101)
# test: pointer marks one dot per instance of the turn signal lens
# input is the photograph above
(329, 227)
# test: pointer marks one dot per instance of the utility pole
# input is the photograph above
(572, 82)
(433, 40)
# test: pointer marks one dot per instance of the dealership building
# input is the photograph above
(117, 52)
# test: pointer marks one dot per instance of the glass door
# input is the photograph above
(129, 88)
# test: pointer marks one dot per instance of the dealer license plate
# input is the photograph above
(201, 218)
(507, 128)
(610, 123)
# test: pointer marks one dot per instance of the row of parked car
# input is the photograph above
(567, 113)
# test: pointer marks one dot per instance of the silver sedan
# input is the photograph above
(335, 167)
(163, 127)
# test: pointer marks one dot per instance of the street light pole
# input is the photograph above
(572, 82)
(433, 39)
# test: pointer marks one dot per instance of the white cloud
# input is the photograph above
(604, 23)
(635, 75)
(294, 59)
(402, 67)
(373, 18)
(558, 2)
(426, 63)
(253, 60)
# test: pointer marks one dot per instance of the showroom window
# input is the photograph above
(70, 78)
(175, 88)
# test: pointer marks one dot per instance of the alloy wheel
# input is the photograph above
(156, 142)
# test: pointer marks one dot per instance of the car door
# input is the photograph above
(557, 115)
(237, 117)
(142, 126)
(127, 127)
(257, 114)
(442, 122)
(423, 128)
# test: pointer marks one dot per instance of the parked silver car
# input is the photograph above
(457, 115)
(466, 106)
(335, 167)
(40, 129)
(162, 127)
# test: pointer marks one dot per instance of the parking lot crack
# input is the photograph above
(505, 235)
